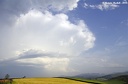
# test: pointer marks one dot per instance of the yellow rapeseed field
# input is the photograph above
(46, 81)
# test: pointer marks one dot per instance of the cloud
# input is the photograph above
(45, 41)
(11, 10)
(48, 60)
(36, 41)
(33, 53)
(124, 23)
(50, 64)
(102, 6)
(18, 7)
(53, 64)
(53, 33)
(98, 62)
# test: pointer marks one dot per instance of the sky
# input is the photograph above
(46, 38)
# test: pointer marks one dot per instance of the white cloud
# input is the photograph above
(53, 33)
(45, 39)
(124, 23)
(102, 6)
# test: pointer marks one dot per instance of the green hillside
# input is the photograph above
(121, 78)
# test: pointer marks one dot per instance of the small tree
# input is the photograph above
(24, 76)
(7, 76)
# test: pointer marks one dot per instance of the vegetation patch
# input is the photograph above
(4, 81)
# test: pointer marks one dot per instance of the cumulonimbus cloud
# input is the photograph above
(54, 33)
(39, 37)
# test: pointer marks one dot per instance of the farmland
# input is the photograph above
(60, 81)
(46, 81)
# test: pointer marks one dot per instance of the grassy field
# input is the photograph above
(46, 81)
(114, 82)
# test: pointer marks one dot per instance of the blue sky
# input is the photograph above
(63, 37)
(107, 25)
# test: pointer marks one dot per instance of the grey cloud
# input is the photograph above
(18, 67)
(98, 62)
(11, 9)
(15, 69)
(34, 53)
(20, 70)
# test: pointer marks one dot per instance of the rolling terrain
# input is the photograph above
(110, 76)
(95, 81)
(116, 78)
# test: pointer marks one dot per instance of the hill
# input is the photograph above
(89, 75)
(123, 78)
(110, 76)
